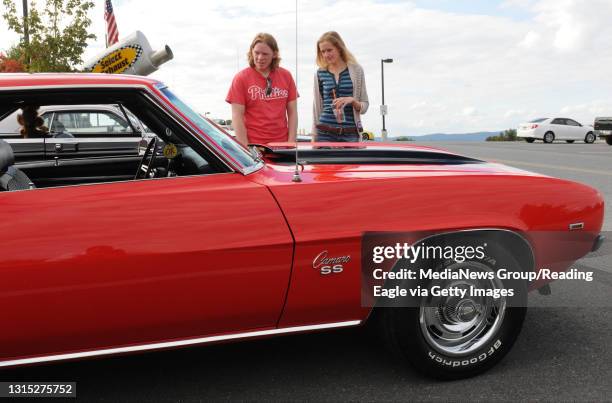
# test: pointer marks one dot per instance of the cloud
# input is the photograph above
(452, 72)
(530, 40)
(469, 111)
(583, 112)
(514, 113)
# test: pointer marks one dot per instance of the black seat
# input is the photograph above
(11, 178)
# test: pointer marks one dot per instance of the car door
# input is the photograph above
(575, 129)
(136, 262)
(91, 142)
(559, 127)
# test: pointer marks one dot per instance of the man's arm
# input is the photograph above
(292, 120)
(238, 124)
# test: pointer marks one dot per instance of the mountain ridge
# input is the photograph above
(474, 136)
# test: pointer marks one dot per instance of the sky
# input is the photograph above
(459, 65)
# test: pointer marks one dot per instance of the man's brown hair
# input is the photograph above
(269, 40)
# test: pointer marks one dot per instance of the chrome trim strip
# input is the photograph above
(254, 168)
(177, 343)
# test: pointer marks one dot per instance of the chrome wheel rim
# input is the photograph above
(590, 138)
(457, 326)
(548, 138)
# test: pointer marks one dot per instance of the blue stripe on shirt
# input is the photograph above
(327, 83)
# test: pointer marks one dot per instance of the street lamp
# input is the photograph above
(383, 107)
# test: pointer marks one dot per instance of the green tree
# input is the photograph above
(57, 34)
(506, 135)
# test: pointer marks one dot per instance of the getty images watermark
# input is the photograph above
(420, 268)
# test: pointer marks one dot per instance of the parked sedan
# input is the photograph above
(210, 242)
(551, 129)
(77, 134)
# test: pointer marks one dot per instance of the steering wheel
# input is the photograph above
(146, 162)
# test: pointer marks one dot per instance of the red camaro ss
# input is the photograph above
(199, 240)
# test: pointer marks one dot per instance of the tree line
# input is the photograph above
(506, 135)
(53, 37)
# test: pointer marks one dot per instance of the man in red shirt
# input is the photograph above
(263, 97)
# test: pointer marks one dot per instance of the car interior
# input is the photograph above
(11, 177)
(168, 149)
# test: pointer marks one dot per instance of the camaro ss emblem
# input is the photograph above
(329, 265)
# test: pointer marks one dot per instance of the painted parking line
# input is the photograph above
(536, 165)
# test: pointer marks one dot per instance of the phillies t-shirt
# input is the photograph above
(265, 116)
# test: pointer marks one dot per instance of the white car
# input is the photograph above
(551, 129)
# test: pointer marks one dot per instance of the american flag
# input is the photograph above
(112, 33)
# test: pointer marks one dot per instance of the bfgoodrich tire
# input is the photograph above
(442, 344)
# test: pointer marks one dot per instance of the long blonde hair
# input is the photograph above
(269, 40)
(334, 38)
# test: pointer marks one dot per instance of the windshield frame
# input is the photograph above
(234, 153)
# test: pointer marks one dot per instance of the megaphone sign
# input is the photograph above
(132, 55)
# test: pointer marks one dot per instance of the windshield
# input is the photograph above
(230, 146)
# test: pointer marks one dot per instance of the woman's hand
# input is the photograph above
(341, 102)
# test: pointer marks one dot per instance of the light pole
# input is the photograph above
(383, 107)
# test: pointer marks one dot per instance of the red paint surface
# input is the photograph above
(103, 265)
(133, 262)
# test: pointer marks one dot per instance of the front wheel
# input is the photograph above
(589, 138)
(458, 337)
(609, 140)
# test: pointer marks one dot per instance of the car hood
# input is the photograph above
(378, 159)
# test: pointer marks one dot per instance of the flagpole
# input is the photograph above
(26, 30)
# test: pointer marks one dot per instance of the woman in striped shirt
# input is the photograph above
(340, 96)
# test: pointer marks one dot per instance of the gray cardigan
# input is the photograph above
(359, 93)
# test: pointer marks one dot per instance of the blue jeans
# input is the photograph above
(326, 137)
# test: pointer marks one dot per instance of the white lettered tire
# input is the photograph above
(444, 346)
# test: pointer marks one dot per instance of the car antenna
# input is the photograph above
(296, 174)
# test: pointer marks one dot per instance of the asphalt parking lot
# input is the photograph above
(562, 354)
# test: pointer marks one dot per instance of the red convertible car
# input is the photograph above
(203, 241)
